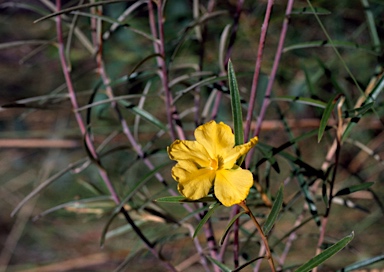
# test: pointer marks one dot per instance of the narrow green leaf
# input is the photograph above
(228, 227)
(355, 188)
(205, 218)
(113, 21)
(279, 151)
(358, 112)
(171, 199)
(182, 199)
(48, 182)
(326, 254)
(140, 184)
(307, 10)
(134, 190)
(304, 188)
(326, 114)
(325, 43)
(355, 119)
(236, 106)
(93, 205)
(362, 264)
(222, 46)
(372, 25)
(190, 27)
(301, 100)
(100, 17)
(88, 5)
(106, 227)
(204, 82)
(247, 264)
(308, 170)
(222, 266)
(274, 211)
(371, 98)
(120, 230)
(7, 45)
(144, 114)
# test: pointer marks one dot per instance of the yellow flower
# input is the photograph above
(211, 161)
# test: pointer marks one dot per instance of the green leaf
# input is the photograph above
(355, 188)
(48, 182)
(133, 191)
(144, 114)
(326, 114)
(93, 205)
(326, 254)
(67, 10)
(206, 217)
(325, 43)
(362, 264)
(140, 184)
(301, 100)
(358, 112)
(7, 45)
(236, 106)
(304, 188)
(277, 204)
(307, 10)
(222, 266)
(228, 227)
(355, 115)
(247, 264)
(279, 151)
(113, 21)
(182, 199)
(171, 199)
(371, 98)
(198, 21)
(223, 46)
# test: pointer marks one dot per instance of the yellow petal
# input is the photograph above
(217, 139)
(189, 150)
(194, 183)
(238, 151)
(232, 186)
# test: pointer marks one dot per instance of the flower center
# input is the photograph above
(216, 163)
(213, 164)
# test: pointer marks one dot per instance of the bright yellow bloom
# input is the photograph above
(211, 161)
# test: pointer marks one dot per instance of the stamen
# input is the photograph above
(213, 164)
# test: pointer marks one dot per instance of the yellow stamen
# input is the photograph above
(213, 164)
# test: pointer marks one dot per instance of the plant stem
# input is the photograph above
(102, 172)
(262, 235)
(272, 77)
(256, 74)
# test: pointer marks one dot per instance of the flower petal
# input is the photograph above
(217, 139)
(232, 186)
(238, 151)
(189, 150)
(194, 183)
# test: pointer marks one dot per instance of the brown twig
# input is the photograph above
(262, 235)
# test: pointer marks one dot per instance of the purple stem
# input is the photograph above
(103, 174)
(256, 74)
(272, 76)
(72, 95)
(171, 109)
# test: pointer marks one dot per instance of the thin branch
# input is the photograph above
(272, 76)
(262, 235)
(75, 106)
(256, 74)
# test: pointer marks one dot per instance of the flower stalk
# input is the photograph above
(262, 235)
